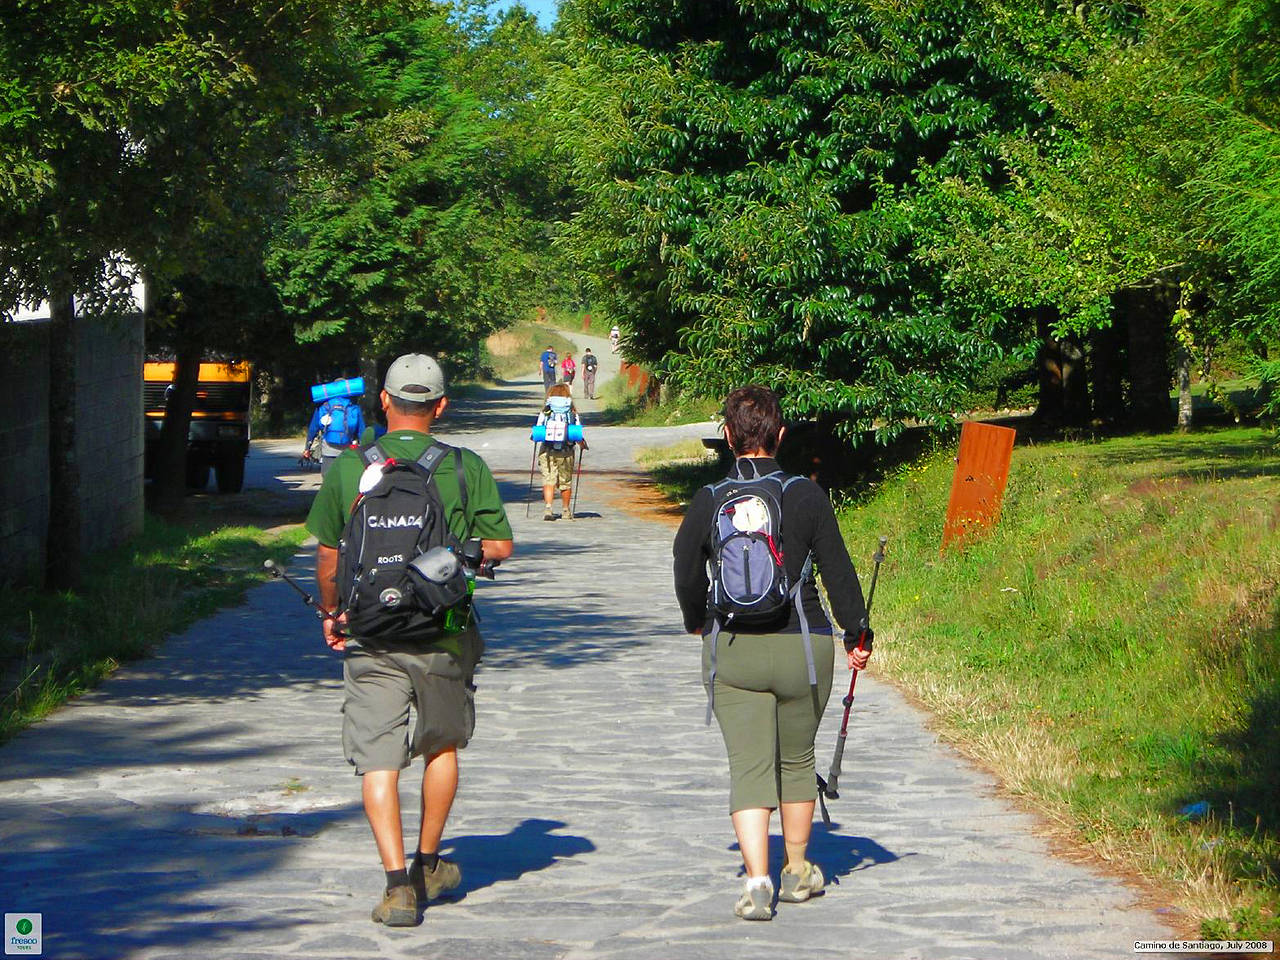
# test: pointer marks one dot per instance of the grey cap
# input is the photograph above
(416, 377)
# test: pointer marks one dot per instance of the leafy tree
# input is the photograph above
(406, 230)
(751, 175)
(1152, 204)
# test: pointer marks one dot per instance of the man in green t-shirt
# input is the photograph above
(381, 682)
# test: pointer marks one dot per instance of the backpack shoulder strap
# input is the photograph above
(432, 458)
(373, 453)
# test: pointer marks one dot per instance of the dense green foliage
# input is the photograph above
(749, 173)
(415, 220)
(871, 206)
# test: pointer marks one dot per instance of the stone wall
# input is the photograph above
(109, 436)
(24, 438)
(108, 439)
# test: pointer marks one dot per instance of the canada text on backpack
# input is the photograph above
(399, 521)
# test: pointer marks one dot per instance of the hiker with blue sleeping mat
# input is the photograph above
(558, 434)
(745, 560)
(337, 419)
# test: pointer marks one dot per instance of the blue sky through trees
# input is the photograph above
(544, 10)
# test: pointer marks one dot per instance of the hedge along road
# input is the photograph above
(198, 801)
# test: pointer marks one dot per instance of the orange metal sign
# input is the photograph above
(977, 489)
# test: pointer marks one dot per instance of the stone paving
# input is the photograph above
(197, 803)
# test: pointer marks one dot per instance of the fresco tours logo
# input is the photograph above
(23, 935)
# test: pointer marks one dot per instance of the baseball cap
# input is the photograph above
(416, 377)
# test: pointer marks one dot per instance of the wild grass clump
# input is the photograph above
(56, 645)
(1111, 650)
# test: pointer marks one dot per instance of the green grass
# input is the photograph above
(1111, 650)
(624, 406)
(514, 352)
(55, 645)
(562, 318)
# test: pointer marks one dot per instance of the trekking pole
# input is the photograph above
(279, 573)
(578, 486)
(830, 787)
(528, 497)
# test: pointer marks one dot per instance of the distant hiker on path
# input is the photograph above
(339, 422)
(766, 647)
(589, 364)
(548, 361)
(614, 336)
(567, 370)
(560, 430)
(396, 654)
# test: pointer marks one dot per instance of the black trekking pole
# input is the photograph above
(831, 786)
(582, 451)
(280, 573)
(528, 497)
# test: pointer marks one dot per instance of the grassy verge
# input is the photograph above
(514, 352)
(54, 646)
(570, 321)
(1111, 650)
(681, 469)
(625, 406)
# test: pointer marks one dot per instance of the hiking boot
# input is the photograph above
(399, 907)
(445, 877)
(568, 514)
(547, 514)
(800, 886)
(756, 902)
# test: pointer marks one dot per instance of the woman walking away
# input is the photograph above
(567, 370)
(560, 434)
(745, 556)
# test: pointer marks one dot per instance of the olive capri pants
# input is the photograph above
(769, 714)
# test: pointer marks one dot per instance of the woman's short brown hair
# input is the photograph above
(754, 419)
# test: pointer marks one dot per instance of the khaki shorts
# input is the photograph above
(380, 686)
(557, 468)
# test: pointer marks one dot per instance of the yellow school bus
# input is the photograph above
(218, 438)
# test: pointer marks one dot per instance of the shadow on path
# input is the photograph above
(152, 875)
(489, 858)
(837, 854)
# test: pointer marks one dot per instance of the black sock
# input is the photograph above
(397, 878)
(428, 861)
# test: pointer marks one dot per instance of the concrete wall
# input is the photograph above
(108, 439)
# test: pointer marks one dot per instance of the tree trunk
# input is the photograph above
(1184, 388)
(1064, 392)
(64, 548)
(171, 474)
(1106, 371)
(1149, 311)
(369, 403)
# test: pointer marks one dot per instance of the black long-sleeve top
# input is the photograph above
(808, 526)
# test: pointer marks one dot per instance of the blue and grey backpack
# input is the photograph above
(749, 583)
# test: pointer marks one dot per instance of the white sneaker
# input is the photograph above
(756, 902)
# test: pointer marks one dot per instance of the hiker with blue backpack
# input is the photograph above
(337, 419)
(746, 555)
(558, 435)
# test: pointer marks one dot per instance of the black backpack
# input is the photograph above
(399, 564)
(749, 583)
